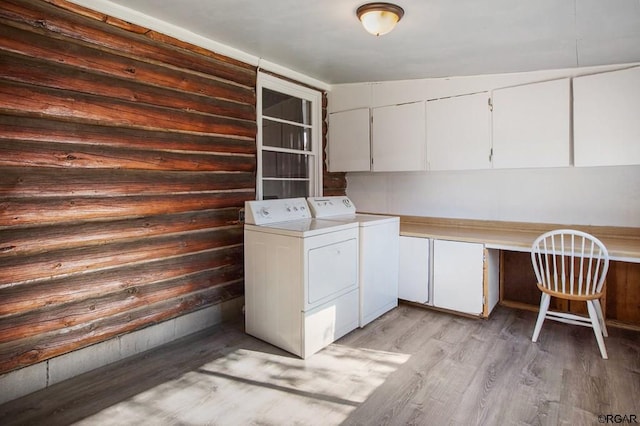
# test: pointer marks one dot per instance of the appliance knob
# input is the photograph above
(264, 212)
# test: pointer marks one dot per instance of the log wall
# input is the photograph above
(125, 156)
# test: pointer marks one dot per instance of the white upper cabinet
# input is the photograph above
(398, 138)
(459, 133)
(385, 135)
(591, 120)
(349, 141)
(531, 125)
(344, 97)
(606, 114)
(397, 92)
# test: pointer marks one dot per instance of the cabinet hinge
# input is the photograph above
(490, 103)
(491, 155)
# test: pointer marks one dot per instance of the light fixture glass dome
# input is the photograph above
(379, 18)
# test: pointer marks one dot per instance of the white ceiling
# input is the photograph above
(323, 39)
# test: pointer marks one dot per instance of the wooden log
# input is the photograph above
(52, 182)
(20, 153)
(147, 32)
(61, 104)
(334, 180)
(28, 351)
(75, 27)
(37, 322)
(55, 263)
(123, 163)
(163, 38)
(35, 71)
(99, 16)
(22, 241)
(21, 127)
(55, 50)
(34, 211)
(21, 299)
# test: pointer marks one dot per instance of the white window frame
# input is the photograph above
(315, 97)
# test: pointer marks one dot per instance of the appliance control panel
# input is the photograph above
(331, 206)
(262, 212)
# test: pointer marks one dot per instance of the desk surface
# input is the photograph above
(623, 244)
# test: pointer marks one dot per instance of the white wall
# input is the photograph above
(607, 196)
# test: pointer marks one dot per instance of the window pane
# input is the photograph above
(283, 165)
(285, 107)
(285, 135)
(284, 189)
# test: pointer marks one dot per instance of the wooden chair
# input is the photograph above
(571, 265)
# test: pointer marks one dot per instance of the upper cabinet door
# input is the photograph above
(397, 92)
(531, 125)
(349, 141)
(398, 138)
(345, 97)
(606, 111)
(459, 133)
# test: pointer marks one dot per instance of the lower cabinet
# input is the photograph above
(458, 276)
(413, 279)
(453, 275)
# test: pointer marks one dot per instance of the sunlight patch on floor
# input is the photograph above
(247, 386)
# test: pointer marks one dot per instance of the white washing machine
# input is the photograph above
(379, 253)
(301, 276)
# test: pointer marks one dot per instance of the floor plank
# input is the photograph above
(411, 366)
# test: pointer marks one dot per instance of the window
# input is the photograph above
(289, 140)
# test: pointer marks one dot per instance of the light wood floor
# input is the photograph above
(412, 366)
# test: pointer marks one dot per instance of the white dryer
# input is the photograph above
(301, 276)
(379, 253)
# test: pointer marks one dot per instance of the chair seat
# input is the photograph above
(567, 296)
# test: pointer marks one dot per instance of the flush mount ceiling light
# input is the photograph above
(379, 18)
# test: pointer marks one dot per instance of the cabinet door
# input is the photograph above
(459, 133)
(398, 138)
(413, 281)
(606, 111)
(397, 92)
(349, 141)
(345, 97)
(458, 276)
(531, 125)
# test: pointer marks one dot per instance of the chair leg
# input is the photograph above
(603, 326)
(544, 306)
(595, 322)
